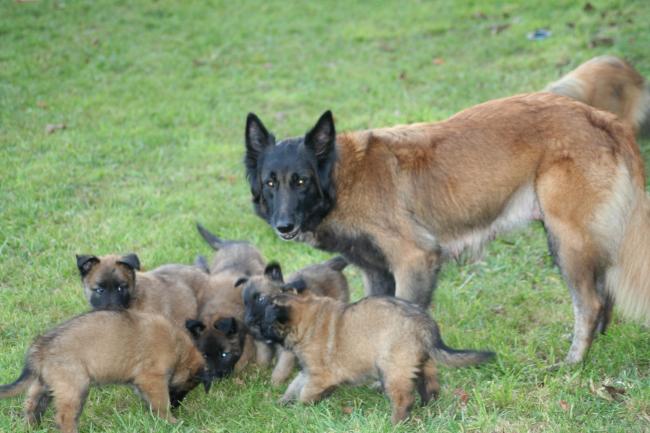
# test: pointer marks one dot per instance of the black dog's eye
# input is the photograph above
(98, 289)
(261, 299)
(270, 183)
(301, 181)
(225, 354)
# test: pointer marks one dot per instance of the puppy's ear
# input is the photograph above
(202, 264)
(131, 260)
(240, 281)
(274, 272)
(85, 263)
(228, 325)
(337, 263)
(196, 327)
(213, 240)
(322, 138)
(296, 287)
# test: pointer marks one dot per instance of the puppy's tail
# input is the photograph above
(459, 358)
(337, 263)
(20, 384)
(213, 240)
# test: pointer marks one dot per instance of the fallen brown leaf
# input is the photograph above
(498, 28)
(53, 127)
(438, 61)
(564, 405)
(601, 41)
(462, 395)
(347, 410)
(41, 104)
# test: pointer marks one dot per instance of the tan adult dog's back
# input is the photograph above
(612, 84)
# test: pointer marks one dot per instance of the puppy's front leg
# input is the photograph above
(294, 388)
(263, 354)
(313, 390)
(284, 367)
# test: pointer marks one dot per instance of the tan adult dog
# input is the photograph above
(377, 337)
(398, 201)
(107, 347)
(612, 84)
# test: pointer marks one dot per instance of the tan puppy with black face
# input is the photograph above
(321, 279)
(144, 350)
(113, 282)
(347, 343)
(219, 330)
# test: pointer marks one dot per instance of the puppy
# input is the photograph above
(321, 279)
(113, 282)
(144, 350)
(380, 337)
(237, 257)
(219, 330)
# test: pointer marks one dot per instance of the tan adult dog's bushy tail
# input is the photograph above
(628, 281)
(611, 84)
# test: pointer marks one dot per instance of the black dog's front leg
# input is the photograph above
(378, 282)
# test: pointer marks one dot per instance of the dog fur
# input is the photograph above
(321, 279)
(611, 84)
(399, 201)
(348, 343)
(107, 347)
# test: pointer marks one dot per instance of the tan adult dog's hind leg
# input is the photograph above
(567, 204)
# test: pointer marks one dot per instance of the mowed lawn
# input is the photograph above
(146, 103)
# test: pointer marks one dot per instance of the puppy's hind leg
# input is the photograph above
(428, 386)
(399, 388)
(38, 398)
(69, 397)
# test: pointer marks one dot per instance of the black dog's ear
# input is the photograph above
(85, 263)
(195, 327)
(296, 287)
(257, 137)
(131, 260)
(274, 272)
(228, 325)
(241, 281)
(322, 138)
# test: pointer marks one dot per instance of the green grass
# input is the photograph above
(154, 97)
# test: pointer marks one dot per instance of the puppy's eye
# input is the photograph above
(205, 356)
(121, 288)
(301, 181)
(98, 289)
(225, 354)
(261, 299)
(270, 183)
